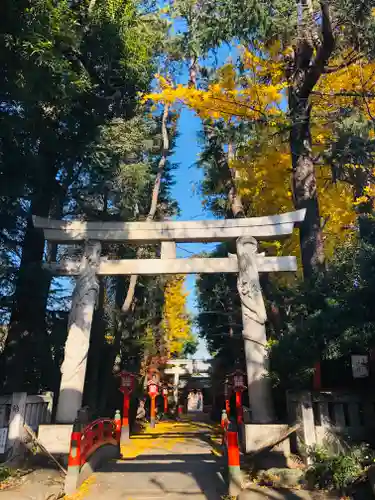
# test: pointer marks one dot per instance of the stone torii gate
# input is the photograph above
(247, 263)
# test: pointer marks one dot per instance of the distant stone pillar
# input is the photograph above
(176, 383)
(254, 332)
(73, 369)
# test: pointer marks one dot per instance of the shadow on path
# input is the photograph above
(173, 474)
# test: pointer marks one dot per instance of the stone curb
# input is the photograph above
(101, 455)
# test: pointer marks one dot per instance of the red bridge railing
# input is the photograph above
(85, 441)
(96, 434)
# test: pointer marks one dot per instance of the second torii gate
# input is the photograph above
(247, 263)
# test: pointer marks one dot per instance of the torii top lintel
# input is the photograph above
(265, 228)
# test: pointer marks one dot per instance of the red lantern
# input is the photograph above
(238, 380)
(165, 392)
(153, 391)
(153, 388)
(238, 386)
(127, 381)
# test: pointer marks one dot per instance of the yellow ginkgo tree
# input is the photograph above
(284, 161)
(176, 323)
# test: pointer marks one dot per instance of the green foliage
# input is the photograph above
(190, 347)
(5, 473)
(337, 471)
(210, 23)
(331, 319)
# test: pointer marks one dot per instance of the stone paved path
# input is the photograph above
(173, 462)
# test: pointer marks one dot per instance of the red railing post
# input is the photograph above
(125, 433)
(118, 425)
(234, 470)
(74, 459)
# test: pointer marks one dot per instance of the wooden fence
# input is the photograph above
(328, 417)
(18, 409)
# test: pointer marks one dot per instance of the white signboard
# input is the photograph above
(3, 438)
(360, 367)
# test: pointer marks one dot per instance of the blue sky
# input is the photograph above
(188, 176)
(186, 193)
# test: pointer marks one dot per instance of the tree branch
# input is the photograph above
(344, 64)
(154, 203)
(344, 94)
(323, 55)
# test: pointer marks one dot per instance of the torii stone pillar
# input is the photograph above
(73, 369)
(254, 332)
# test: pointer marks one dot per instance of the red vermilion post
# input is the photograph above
(125, 434)
(74, 459)
(165, 396)
(227, 406)
(234, 470)
(153, 412)
(317, 381)
(238, 383)
(239, 409)
(126, 387)
(153, 391)
(117, 420)
(227, 396)
(125, 410)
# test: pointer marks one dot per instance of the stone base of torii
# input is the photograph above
(247, 263)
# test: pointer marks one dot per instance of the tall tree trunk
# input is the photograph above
(304, 185)
(304, 69)
(25, 353)
(234, 197)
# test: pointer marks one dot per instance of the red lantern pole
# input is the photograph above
(238, 385)
(125, 415)
(127, 385)
(239, 409)
(153, 392)
(165, 396)
(226, 396)
(153, 412)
